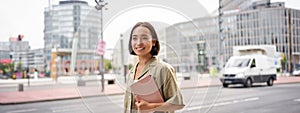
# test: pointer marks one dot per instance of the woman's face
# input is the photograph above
(141, 41)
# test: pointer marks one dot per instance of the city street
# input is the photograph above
(81, 56)
(282, 98)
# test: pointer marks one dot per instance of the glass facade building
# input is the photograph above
(192, 44)
(258, 24)
(37, 59)
(19, 52)
(62, 21)
(4, 50)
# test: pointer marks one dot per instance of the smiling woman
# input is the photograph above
(144, 43)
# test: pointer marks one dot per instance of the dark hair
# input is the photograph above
(155, 49)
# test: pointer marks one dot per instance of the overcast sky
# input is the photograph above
(26, 16)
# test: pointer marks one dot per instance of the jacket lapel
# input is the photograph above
(131, 74)
(148, 66)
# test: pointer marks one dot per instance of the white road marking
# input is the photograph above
(223, 103)
(80, 107)
(252, 99)
(22, 111)
(66, 108)
(297, 100)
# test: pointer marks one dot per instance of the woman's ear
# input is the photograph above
(153, 42)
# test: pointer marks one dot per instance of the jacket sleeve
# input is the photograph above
(171, 91)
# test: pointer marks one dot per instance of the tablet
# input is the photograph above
(147, 90)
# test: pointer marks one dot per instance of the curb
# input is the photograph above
(46, 100)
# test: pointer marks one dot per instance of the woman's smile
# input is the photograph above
(139, 48)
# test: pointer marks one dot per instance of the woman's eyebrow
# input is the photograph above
(144, 35)
(137, 35)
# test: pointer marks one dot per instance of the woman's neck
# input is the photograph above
(143, 60)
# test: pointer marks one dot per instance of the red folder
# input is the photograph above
(147, 90)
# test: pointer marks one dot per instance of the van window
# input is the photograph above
(253, 63)
(242, 62)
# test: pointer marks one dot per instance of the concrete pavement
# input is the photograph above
(50, 81)
(74, 91)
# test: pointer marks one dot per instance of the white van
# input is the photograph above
(249, 69)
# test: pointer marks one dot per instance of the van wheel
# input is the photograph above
(270, 82)
(248, 83)
(225, 85)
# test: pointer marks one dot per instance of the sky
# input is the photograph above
(26, 16)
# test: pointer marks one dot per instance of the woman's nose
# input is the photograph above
(139, 41)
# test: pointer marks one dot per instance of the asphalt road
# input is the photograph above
(283, 98)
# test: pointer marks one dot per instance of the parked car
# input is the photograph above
(296, 71)
(184, 75)
(4, 76)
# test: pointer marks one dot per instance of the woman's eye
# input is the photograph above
(134, 38)
(145, 38)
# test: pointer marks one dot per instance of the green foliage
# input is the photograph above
(283, 60)
(7, 68)
(107, 65)
(19, 67)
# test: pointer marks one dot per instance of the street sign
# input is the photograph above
(101, 47)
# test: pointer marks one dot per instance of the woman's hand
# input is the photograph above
(142, 105)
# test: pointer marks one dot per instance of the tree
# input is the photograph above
(107, 65)
(283, 61)
(19, 67)
(7, 68)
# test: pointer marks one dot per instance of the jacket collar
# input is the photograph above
(147, 67)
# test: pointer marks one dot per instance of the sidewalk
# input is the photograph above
(50, 81)
(75, 91)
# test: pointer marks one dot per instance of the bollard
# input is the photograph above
(80, 82)
(21, 88)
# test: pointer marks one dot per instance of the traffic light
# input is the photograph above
(20, 37)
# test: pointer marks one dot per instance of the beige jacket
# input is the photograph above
(165, 78)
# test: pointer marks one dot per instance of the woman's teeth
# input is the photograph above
(139, 49)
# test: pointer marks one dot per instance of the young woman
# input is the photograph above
(144, 43)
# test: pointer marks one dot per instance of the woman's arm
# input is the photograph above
(143, 105)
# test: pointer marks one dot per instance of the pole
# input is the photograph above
(27, 76)
(220, 36)
(101, 56)
(290, 43)
(101, 63)
(122, 57)
(74, 53)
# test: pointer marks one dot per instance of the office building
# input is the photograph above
(4, 50)
(37, 59)
(246, 23)
(65, 19)
(186, 40)
(264, 23)
(19, 52)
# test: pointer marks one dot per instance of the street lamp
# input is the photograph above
(100, 5)
(122, 57)
(221, 37)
